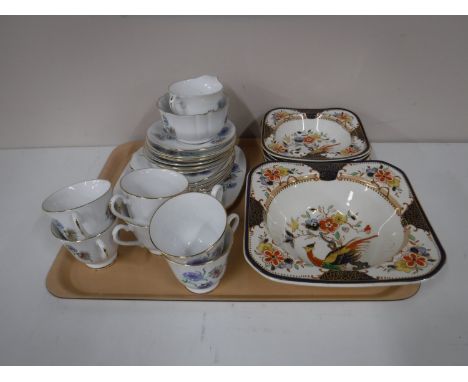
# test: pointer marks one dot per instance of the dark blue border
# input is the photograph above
(312, 281)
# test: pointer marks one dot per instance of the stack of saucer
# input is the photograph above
(194, 136)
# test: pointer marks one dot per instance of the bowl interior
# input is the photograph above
(75, 196)
(188, 224)
(153, 183)
(329, 223)
(314, 132)
(203, 85)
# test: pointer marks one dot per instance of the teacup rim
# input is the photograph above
(173, 84)
(207, 248)
(164, 110)
(109, 184)
(225, 252)
(155, 197)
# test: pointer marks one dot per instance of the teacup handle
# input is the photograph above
(78, 225)
(115, 235)
(102, 248)
(233, 221)
(176, 105)
(112, 204)
(217, 192)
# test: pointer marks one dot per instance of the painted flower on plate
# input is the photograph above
(412, 260)
(272, 174)
(312, 223)
(273, 257)
(351, 149)
(344, 117)
(216, 272)
(262, 247)
(328, 225)
(311, 138)
(278, 148)
(340, 218)
(280, 115)
(383, 175)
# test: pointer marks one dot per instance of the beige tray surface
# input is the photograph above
(137, 274)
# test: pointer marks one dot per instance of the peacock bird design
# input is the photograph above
(349, 253)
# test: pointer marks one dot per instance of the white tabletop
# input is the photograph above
(37, 328)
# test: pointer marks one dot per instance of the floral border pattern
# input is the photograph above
(294, 149)
(421, 256)
(387, 180)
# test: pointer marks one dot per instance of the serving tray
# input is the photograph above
(137, 274)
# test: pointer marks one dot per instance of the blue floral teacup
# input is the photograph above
(203, 277)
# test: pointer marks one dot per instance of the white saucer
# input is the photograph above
(164, 141)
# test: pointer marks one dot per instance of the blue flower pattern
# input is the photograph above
(231, 182)
(202, 280)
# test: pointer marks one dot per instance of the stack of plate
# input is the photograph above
(313, 136)
(203, 164)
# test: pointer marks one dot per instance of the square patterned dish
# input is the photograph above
(337, 224)
(313, 135)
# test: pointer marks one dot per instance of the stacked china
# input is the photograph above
(195, 235)
(194, 136)
(80, 219)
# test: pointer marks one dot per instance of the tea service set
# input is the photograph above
(317, 210)
(182, 221)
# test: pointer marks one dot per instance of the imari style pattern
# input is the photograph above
(342, 235)
(315, 144)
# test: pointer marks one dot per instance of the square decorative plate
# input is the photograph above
(314, 135)
(337, 224)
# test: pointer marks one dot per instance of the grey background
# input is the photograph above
(83, 80)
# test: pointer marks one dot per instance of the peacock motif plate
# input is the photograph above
(314, 135)
(337, 224)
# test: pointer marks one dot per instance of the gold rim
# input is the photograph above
(205, 250)
(176, 158)
(226, 170)
(196, 166)
(225, 251)
(82, 240)
(159, 197)
(82, 205)
(292, 180)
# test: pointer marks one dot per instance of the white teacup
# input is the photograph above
(197, 128)
(196, 95)
(141, 233)
(203, 277)
(81, 210)
(144, 191)
(192, 224)
(95, 252)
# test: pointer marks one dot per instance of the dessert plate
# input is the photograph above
(314, 135)
(337, 224)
